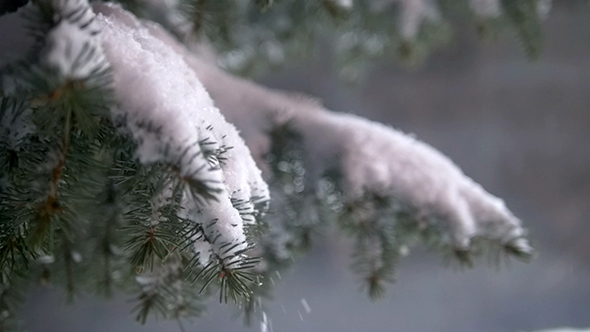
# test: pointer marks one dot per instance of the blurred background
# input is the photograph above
(520, 128)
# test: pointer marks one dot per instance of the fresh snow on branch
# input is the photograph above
(374, 158)
(174, 121)
(166, 96)
(73, 52)
(76, 12)
(133, 123)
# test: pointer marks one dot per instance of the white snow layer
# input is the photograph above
(169, 112)
(161, 90)
(76, 12)
(73, 52)
(72, 48)
(373, 157)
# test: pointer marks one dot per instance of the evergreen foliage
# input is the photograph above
(79, 208)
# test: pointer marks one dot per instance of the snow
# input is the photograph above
(264, 323)
(72, 47)
(543, 8)
(383, 160)
(72, 52)
(346, 4)
(76, 12)
(305, 305)
(374, 158)
(170, 115)
(171, 102)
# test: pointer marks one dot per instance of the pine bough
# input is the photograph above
(120, 168)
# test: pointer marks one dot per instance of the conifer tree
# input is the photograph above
(133, 160)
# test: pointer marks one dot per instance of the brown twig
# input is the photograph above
(51, 205)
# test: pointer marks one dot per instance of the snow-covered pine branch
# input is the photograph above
(174, 121)
(203, 170)
(372, 157)
(375, 163)
(106, 103)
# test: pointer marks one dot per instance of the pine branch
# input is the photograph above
(164, 176)
(165, 293)
(211, 18)
(198, 15)
(525, 19)
(150, 243)
(51, 206)
(231, 274)
(363, 171)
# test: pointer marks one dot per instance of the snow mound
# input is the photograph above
(174, 121)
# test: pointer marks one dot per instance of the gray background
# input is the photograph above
(520, 128)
